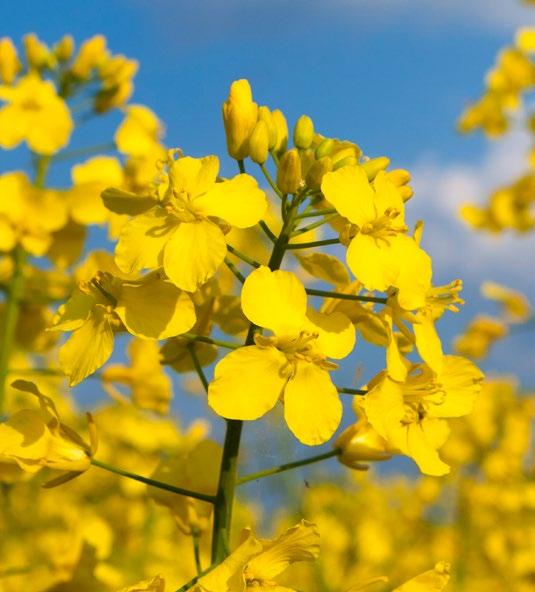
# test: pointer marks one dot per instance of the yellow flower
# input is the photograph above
(380, 254)
(149, 307)
(482, 332)
(292, 364)
(240, 114)
(28, 216)
(91, 54)
(197, 470)
(178, 231)
(37, 439)
(35, 114)
(150, 386)
(140, 132)
(89, 179)
(256, 562)
(410, 415)
(514, 303)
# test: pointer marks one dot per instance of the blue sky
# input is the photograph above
(392, 75)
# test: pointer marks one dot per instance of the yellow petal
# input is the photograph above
(247, 382)
(275, 300)
(88, 348)
(325, 267)
(414, 272)
(8, 238)
(173, 314)
(194, 176)
(349, 191)
(193, 254)
(142, 240)
(24, 436)
(336, 333)
(299, 543)
(462, 381)
(74, 312)
(434, 580)
(420, 444)
(139, 131)
(156, 584)
(373, 262)
(312, 407)
(238, 201)
(428, 343)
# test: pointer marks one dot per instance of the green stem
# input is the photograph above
(158, 484)
(320, 243)
(241, 166)
(342, 296)
(270, 180)
(351, 391)
(267, 231)
(243, 256)
(197, 365)
(11, 315)
(287, 467)
(196, 538)
(85, 151)
(229, 462)
(237, 273)
(193, 581)
(211, 341)
(316, 224)
(315, 213)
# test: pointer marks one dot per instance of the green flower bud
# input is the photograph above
(64, 48)
(303, 132)
(325, 148)
(259, 143)
(289, 172)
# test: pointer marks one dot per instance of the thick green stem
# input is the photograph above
(153, 483)
(342, 296)
(287, 467)
(229, 463)
(351, 391)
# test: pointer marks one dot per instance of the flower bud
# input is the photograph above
(406, 192)
(375, 165)
(37, 53)
(317, 170)
(91, 54)
(324, 148)
(9, 61)
(303, 132)
(64, 48)
(360, 442)
(240, 115)
(264, 114)
(289, 172)
(399, 177)
(259, 143)
(282, 131)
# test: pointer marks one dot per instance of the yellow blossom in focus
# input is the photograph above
(178, 231)
(291, 365)
(256, 562)
(35, 114)
(380, 254)
(106, 304)
(411, 415)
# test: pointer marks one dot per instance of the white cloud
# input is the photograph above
(494, 14)
(457, 250)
